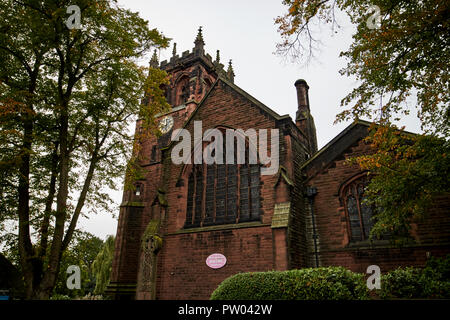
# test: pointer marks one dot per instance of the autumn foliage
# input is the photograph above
(400, 67)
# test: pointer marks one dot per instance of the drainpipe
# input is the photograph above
(311, 193)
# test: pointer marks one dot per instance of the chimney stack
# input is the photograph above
(302, 94)
(303, 118)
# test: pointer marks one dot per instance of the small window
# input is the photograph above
(153, 154)
(184, 94)
(182, 91)
(138, 190)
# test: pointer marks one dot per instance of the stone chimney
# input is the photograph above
(304, 120)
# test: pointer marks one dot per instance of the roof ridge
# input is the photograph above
(335, 139)
(253, 99)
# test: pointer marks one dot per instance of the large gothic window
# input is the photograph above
(359, 214)
(223, 194)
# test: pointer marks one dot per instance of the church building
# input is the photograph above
(187, 227)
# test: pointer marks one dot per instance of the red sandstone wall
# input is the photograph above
(131, 226)
(432, 235)
(182, 272)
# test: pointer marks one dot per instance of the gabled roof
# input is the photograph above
(336, 147)
(333, 149)
(256, 102)
(246, 95)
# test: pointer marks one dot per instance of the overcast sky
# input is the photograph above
(244, 31)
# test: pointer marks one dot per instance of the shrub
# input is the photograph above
(331, 283)
(402, 283)
(433, 281)
(438, 268)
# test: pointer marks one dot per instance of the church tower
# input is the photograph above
(192, 74)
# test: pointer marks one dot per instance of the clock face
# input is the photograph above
(165, 124)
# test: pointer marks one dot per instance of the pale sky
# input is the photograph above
(244, 31)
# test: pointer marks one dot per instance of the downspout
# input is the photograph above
(311, 193)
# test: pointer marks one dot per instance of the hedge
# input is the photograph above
(330, 283)
(431, 282)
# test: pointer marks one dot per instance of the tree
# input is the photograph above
(409, 173)
(101, 267)
(400, 64)
(82, 253)
(67, 97)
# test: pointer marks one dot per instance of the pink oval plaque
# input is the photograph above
(216, 261)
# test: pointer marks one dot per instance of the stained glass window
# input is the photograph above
(223, 194)
(359, 213)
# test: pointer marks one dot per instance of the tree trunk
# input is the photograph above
(25, 246)
(51, 274)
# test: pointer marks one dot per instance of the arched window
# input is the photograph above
(182, 91)
(184, 94)
(223, 193)
(359, 214)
